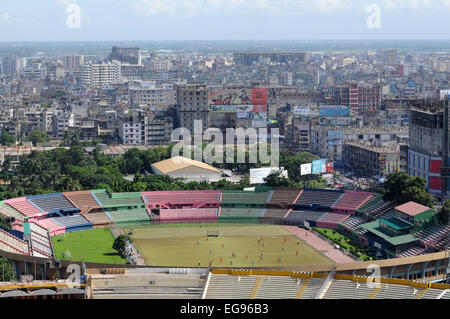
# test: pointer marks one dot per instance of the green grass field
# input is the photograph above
(176, 245)
(93, 245)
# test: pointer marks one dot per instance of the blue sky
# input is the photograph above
(46, 20)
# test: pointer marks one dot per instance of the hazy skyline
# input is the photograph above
(46, 20)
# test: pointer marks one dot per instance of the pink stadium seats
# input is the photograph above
(182, 199)
(331, 220)
(22, 205)
(189, 214)
(351, 201)
(52, 227)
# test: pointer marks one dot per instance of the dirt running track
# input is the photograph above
(319, 244)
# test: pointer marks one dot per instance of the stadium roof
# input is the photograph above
(395, 241)
(176, 163)
(412, 209)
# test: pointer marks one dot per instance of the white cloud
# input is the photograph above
(65, 3)
(194, 7)
(415, 4)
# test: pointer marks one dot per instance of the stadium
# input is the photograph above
(261, 244)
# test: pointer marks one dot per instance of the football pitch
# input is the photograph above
(236, 246)
(94, 245)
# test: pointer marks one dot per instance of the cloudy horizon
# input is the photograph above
(157, 20)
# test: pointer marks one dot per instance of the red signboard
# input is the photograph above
(259, 96)
(435, 166)
(435, 183)
(330, 167)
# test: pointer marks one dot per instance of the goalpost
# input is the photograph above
(212, 233)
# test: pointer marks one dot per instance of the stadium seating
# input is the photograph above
(14, 244)
(41, 248)
(413, 251)
(124, 216)
(9, 211)
(40, 241)
(432, 294)
(390, 291)
(51, 202)
(122, 199)
(313, 288)
(279, 287)
(22, 205)
(432, 234)
(351, 201)
(52, 227)
(284, 197)
(446, 295)
(182, 199)
(353, 222)
(241, 212)
(208, 214)
(81, 199)
(380, 211)
(98, 218)
(244, 198)
(320, 198)
(301, 216)
(331, 220)
(274, 213)
(346, 289)
(230, 287)
(38, 253)
(370, 205)
(73, 223)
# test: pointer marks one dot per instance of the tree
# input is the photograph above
(6, 138)
(6, 271)
(120, 244)
(37, 136)
(443, 213)
(402, 188)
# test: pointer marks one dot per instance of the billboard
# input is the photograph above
(258, 175)
(305, 169)
(251, 108)
(238, 96)
(435, 166)
(435, 183)
(445, 95)
(319, 166)
(330, 167)
(223, 108)
(334, 110)
(259, 120)
(301, 110)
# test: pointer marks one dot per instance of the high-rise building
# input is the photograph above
(72, 62)
(12, 65)
(192, 105)
(391, 57)
(361, 98)
(425, 147)
(126, 55)
(99, 75)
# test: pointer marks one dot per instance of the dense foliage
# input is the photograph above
(62, 170)
(6, 271)
(402, 188)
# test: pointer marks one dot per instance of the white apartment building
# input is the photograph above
(99, 75)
